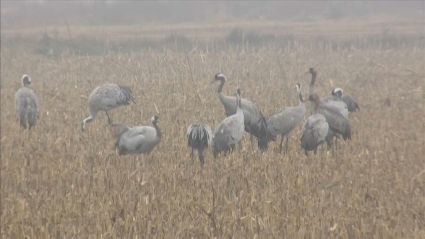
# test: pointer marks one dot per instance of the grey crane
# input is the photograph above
(337, 102)
(138, 139)
(331, 100)
(349, 101)
(315, 129)
(230, 131)
(199, 137)
(105, 98)
(338, 123)
(255, 123)
(26, 104)
(283, 122)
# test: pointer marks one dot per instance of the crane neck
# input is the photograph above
(300, 98)
(316, 105)
(158, 132)
(220, 87)
(238, 104)
(312, 82)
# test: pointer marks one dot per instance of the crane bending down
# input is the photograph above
(137, 139)
(230, 131)
(351, 103)
(26, 104)
(105, 98)
(283, 122)
(254, 121)
(315, 129)
(199, 137)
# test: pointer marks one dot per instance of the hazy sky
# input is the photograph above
(48, 13)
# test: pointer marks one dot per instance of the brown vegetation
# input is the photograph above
(67, 183)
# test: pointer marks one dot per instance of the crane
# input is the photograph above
(334, 101)
(230, 131)
(337, 103)
(283, 122)
(105, 98)
(349, 101)
(255, 123)
(138, 139)
(315, 129)
(26, 104)
(199, 137)
(338, 123)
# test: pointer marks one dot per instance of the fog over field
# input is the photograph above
(58, 180)
(54, 13)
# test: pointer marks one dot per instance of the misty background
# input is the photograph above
(96, 27)
(54, 13)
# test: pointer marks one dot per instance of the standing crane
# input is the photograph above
(230, 131)
(337, 102)
(26, 104)
(349, 101)
(105, 98)
(331, 100)
(199, 136)
(283, 122)
(315, 129)
(255, 123)
(138, 139)
(338, 123)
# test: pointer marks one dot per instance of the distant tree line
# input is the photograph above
(50, 13)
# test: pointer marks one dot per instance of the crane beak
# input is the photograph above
(212, 82)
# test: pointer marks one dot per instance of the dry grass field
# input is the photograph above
(65, 183)
(347, 27)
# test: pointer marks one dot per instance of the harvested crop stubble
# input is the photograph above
(68, 183)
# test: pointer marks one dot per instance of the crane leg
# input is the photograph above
(252, 141)
(240, 146)
(133, 165)
(281, 141)
(201, 156)
(336, 143)
(328, 143)
(191, 155)
(109, 118)
(286, 145)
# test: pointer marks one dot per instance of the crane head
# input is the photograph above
(219, 77)
(238, 92)
(311, 70)
(337, 91)
(26, 80)
(298, 87)
(154, 119)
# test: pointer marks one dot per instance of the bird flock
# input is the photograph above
(328, 120)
